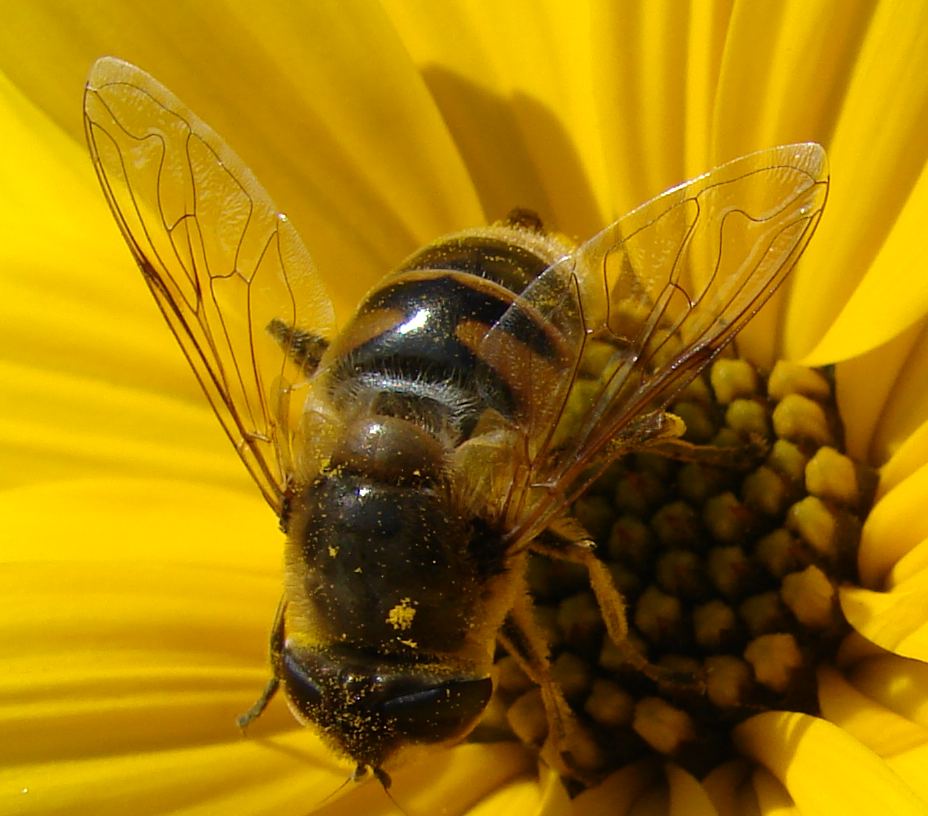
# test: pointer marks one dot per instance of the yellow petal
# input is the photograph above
(896, 683)
(777, 56)
(779, 81)
(865, 385)
(455, 780)
(286, 774)
(366, 175)
(911, 569)
(244, 776)
(906, 459)
(687, 796)
(135, 646)
(132, 597)
(895, 620)
(813, 759)
(69, 289)
(884, 396)
(880, 729)
(534, 797)
(643, 77)
(39, 157)
(895, 526)
(892, 295)
(619, 792)
(729, 789)
(854, 649)
(910, 765)
(58, 426)
(75, 321)
(906, 404)
(554, 800)
(522, 796)
(772, 798)
(517, 95)
(138, 520)
(877, 151)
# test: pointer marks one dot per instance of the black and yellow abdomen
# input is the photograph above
(413, 347)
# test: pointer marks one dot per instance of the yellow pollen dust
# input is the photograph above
(400, 617)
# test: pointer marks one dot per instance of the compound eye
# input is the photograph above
(439, 713)
(302, 690)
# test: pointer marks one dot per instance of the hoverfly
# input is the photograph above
(415, 457)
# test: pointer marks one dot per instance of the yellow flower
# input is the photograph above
(140, 569)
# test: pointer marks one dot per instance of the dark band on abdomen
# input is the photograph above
(416, 339)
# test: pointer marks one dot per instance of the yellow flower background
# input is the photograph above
(140, 569)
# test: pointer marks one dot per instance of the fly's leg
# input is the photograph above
(302, 347)
(612, 608)
(276, 649)
(739, 457)
(661, 432)
(568, 749)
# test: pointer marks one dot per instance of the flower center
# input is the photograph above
(729, 570)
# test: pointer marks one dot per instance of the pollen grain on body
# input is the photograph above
(729, 574)
(401, 616)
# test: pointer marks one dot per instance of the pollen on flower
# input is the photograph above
(787, 459)
(664, 727)
(832, 475)
(747, 416)
(792, 378)
(732, 379)
(713, 623)
(729, 680)
(728, 568)
(609, 705)
(800, 418)
(811, 597)
(766, 491)
(775, 659)
(815, 523)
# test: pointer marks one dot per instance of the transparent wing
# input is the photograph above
(227, 269)
(642, 307)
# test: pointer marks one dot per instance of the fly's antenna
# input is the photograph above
(385, 782)
(341, 787)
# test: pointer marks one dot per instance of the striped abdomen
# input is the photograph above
(412, 349)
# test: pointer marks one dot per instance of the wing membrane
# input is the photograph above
(221, 261)
(659, 294)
